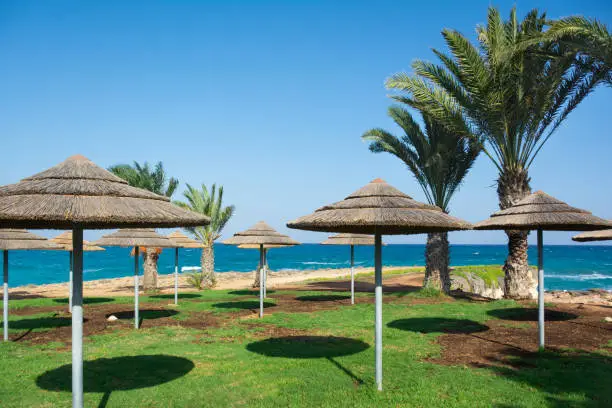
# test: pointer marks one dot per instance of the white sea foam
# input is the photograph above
(92, 270)
(323, 263)
(585, 277)
(190, 268)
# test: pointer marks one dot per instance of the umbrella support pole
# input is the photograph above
(136, 317)
(70, 283)
(352, 275)
(176, 259)
(265, 274)
(378, 309)
(540, 290)
(77, 319)
(5, 295)
(261, 282)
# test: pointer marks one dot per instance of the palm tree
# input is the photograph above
(210, 204)
(511, 102)
(439, 160)
(157, 181)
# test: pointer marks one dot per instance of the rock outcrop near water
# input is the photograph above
(488, 283)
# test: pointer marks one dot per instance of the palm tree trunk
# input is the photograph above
(256, 281)
(208, 266)
(437, 259)
(512, 186)
(150, 258)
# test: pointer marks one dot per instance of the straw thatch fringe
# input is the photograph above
(77, 193)
(349, 239)
(13, 239)
(65, 240)
(260, 234)
(183, 241)
(130, 237)
(542, 211)
(603, 235)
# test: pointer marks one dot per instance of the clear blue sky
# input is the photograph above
(269, 99)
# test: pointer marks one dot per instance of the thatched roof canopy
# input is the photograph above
(260, 234)
(603, 235)
(12, 239)
(349, 239)
(65, 241)
(77, 193)
(269, 246)
(379, 207)
(183, 241)
(136, 237)
(542, 211)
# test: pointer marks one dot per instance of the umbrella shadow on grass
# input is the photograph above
(306, 347)
(245, 305)
(322, 298)
(438, 325)
(143, 314)
(254, 292)
(34, 323)
(180, 296)
(520, 314)
(106, 375)
(86, 301)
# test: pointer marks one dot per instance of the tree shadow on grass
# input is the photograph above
(245, 305)
(106, 375)
(520, 314)
(144, 314)
(322, 298)
(565, 376)
(86, 301)
(180, 296)
(303, 347)
(438, 325)
(254, 292)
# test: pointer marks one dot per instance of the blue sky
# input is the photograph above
(267, 98)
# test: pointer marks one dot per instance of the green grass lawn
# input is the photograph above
(322, 358)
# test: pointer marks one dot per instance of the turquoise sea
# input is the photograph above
(569, 267)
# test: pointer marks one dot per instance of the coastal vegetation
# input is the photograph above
(510, 92)
(209, 203)
(156, 180)
(208, 350)
(439, 159)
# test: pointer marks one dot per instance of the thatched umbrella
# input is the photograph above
(542, 212)
(65, 241)
(265, 270)
(135, 237)
(603, 235)
(379, 209)
(352, 240)
(262, 235)
(76, 195)
(182, 241)
(11, 239)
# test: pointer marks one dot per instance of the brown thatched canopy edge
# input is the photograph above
(542, 211)
(379, 207)
(603, 235)
(260, 234)
(183, 241)
(13, 239)
(65, 241)
(349, 239)
(269, 246)
(132, 237)
(78, 193)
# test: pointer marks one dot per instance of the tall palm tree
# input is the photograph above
(511, 102)
(439, 160)
(209, 203)
(157, 181)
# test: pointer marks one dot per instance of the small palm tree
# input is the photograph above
(439, 160)
(157, 181)
(509, 97)
(209, 203)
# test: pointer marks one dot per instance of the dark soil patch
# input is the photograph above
(513, 344)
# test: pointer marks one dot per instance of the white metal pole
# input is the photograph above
(5, 298)
(136, 255)
(540, 289)
(77, 319)
(378, 308)
(265, 274)
(352, 275)
(70, 282)
(176, 259)
(261, 283)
